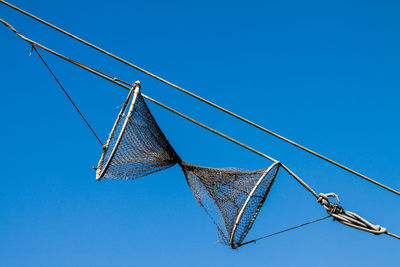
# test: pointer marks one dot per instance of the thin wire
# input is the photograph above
(202, 99)
(66, 93)
(306, 186)
(286, 230)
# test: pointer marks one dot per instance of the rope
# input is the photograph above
(202, 99)
(286, 230)
(306, 186)
(66, 93)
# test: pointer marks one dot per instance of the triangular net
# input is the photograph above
(136, 146)
(231, 197)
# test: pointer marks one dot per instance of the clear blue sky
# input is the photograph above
(325, 74)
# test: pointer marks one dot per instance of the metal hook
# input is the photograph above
(32, 47)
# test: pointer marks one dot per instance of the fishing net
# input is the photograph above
(231, 197)
(136, 146)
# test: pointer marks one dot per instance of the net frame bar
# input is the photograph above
(135, 91)
(240, 215)
(105, 146)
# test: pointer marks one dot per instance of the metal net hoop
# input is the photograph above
(231, 197)
(136, 146)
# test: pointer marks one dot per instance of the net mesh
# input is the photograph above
(143, 148)
(230, 196)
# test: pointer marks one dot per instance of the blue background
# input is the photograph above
(321, 73)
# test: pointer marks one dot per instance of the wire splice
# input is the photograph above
(349, 218)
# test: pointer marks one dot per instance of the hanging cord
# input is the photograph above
(201, 99)
(66, 93)
(350, 218)
(285, 230)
